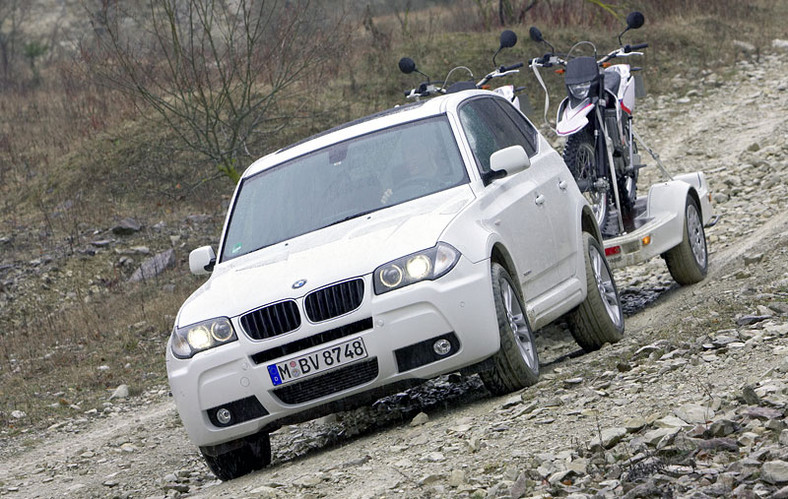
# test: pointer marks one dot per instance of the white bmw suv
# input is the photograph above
(431, 238)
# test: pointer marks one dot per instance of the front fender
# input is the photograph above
(572, 119)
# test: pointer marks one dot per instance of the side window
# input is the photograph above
(523, 126)
(489, 127)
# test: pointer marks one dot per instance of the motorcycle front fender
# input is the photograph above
(572, 119)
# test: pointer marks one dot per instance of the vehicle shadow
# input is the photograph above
(434, 397)
(441, 395)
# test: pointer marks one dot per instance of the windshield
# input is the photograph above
(343, 181)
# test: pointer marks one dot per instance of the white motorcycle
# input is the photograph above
(597, 117)
(431, 88)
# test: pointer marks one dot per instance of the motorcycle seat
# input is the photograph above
(460, 85)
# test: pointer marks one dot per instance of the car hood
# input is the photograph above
(350, 249)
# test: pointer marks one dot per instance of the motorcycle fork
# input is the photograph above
(629, 144)
(599, 150)
(601, 131)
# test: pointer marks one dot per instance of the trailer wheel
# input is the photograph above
(599, 319)
(688, 261)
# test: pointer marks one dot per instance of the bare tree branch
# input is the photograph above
(215, 70)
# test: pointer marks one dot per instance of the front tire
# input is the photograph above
(516, 365)
(580, 158)
(688, 262)
(252, 454)
(599, 319)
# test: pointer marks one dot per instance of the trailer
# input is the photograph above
(669, 221)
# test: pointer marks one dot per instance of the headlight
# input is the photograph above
(580, 90)
(429, 264)
(186, 341)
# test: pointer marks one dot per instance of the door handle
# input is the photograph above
(562, 185)
(539, 200)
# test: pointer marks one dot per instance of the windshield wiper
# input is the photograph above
(350, 217)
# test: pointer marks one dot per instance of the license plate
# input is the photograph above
(317, 362)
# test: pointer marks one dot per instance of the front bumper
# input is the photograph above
(398, 329)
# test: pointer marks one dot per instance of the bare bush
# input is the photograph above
(509, 11)
(12, 15)
(215, 70)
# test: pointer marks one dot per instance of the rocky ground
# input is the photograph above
(692, 403)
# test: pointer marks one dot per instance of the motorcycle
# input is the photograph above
(508, 39)
(596, 116)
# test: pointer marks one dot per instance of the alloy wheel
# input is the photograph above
(523, 335)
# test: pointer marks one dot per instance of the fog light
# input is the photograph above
(441, 347)
(224, 416)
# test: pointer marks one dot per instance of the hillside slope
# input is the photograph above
(694, 398)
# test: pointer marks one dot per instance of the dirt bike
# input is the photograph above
(430, 88)
(596, 116)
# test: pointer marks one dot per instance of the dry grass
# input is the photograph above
(68, 361)
(75, 157)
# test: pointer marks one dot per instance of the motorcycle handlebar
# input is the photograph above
(546, 61)
(428, 89)
(637, 46)
(623, 52)
(425, 90)
(516, 65)
(500, 72)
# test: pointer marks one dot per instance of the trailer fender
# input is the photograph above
(698, 181)
(670, 198)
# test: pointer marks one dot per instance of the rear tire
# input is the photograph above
(253, 453)
(688, 262)
(599, 319)
(516, 365)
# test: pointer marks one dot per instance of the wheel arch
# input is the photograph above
(588, 223)
(500, 255)
(693, 193)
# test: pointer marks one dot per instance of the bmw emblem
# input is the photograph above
(299, 283)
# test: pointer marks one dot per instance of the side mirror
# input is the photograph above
(406, 65)
(510, 160)
(535, 34)
(508, 39)
(202, 260)
(635, 20)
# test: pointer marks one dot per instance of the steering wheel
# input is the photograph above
(412, 185)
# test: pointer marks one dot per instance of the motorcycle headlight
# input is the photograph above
(187, 341)
(429, 264)
(580, 90)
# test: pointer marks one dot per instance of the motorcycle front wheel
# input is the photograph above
(579, 157)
